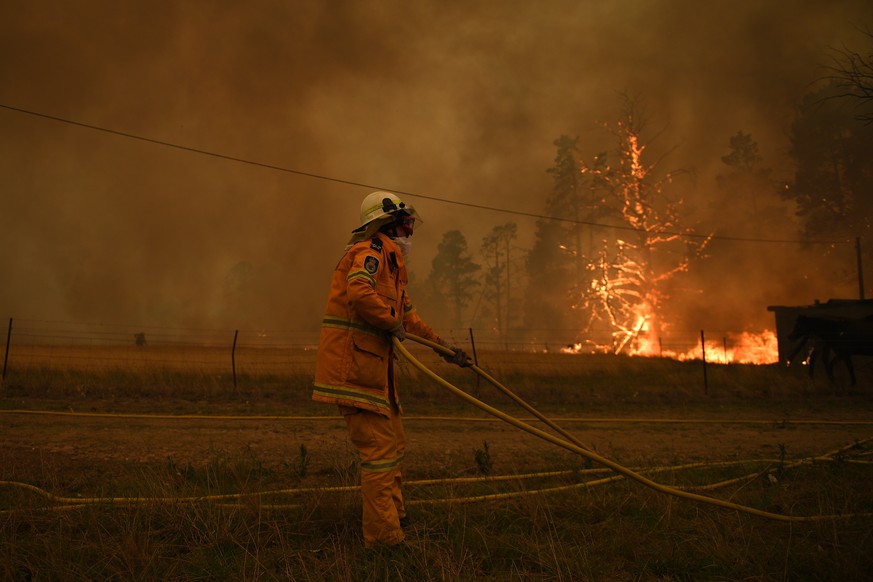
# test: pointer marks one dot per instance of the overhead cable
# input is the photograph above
(407, 193)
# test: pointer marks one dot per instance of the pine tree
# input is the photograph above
(834, 178)
(452, 275)
(551, 263)
(499, 276)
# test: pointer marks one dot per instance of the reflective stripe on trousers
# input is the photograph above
(381, 443)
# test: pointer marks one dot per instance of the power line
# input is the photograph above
(186, 148)
(405, 193)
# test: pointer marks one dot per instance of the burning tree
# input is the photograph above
(624, 286)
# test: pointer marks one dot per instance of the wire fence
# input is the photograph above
(80, 345)
(96, 347)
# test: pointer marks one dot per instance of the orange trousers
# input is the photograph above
(381, 443)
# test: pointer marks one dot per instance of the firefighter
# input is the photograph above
(367, 307)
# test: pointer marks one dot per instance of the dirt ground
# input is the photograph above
(36, 445)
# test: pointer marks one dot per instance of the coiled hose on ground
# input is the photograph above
(573, 445)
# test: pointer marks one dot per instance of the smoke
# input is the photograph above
(441, 99)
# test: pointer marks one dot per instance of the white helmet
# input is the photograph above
(377, 205)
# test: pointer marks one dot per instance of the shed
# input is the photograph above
(786, 317)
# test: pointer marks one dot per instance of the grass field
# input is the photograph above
(242, 496)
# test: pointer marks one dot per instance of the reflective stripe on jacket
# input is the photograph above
(367, 298)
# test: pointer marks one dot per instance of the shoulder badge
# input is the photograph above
(371, 265)
(376, 245)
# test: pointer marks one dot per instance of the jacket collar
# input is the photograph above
(389, 247)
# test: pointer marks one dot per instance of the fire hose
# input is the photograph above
(571, 444)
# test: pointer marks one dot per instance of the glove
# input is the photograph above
(460, 357)
(398, 331)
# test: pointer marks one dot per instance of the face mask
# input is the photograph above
(405, 244)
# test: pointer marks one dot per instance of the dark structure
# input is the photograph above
(833, 340)
(786, 317)
(835, 331)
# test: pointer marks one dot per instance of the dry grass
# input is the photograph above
(617, 531)
(186, 370)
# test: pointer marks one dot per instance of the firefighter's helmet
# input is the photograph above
(378, 205)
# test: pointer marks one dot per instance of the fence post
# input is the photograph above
(703, 353)
(233, 359)
(6, 356)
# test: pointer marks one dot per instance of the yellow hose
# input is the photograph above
(68, 503)
(518, 400)
(334, 418)
(570, 446)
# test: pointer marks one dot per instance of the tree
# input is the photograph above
(747, 203)
(748, 198)
(625, 281)
(548, 294)
(497, 250)
(452, 275)
(566, 200)
(744, 153)
(833, 181)
(853, 78)
(555, 263)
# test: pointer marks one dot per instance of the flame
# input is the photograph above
(743, 348)
(646, 342)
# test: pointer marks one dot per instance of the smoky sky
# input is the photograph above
(454, 100)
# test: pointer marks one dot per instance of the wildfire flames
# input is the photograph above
(742, 348)
(642, 338)
(623, 293)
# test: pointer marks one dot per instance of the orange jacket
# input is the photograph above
(367, 298)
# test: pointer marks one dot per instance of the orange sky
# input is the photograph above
(432, 97)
